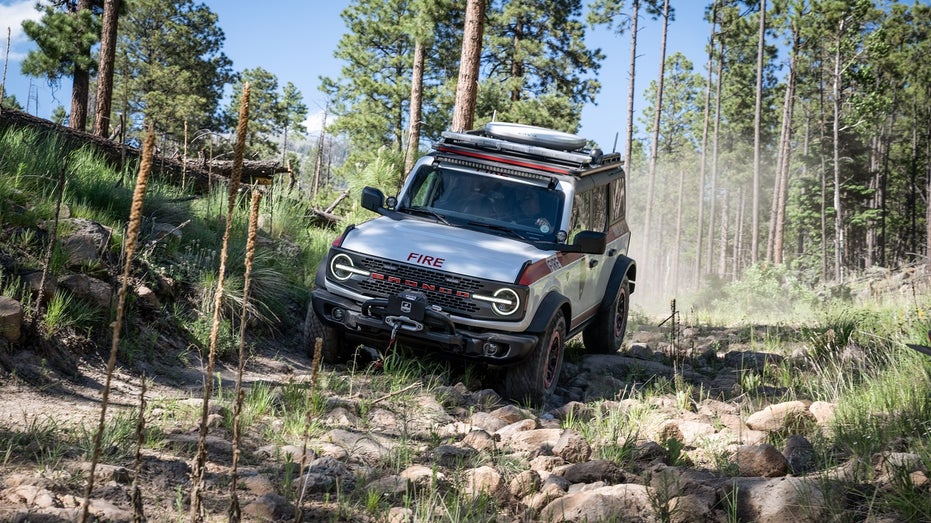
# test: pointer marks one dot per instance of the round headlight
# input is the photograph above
(507, 303)
(341, 267)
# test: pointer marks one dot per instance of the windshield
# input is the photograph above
(503, 205)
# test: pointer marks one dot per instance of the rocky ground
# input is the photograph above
(699, 447)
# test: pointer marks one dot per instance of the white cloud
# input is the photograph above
(12, 15)
(314, 121)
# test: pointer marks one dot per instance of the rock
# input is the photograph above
(483, 480)
(341, 417)
(34, 279)
(546, 463)
(11, 318)
(572, 447)
(511, 414)
(83, 286)
(258, 484)
(422, 476)
(823, 412)
(362, 447)
(524, 484)
(390, 485)
(761, 461)
(548, 492)
(486, 422)
(800, 454)
(480, 440)
(627, 502)
(148, 297)
(533, 442)
(322, 475)
(591, 471)
(781, 500)
(452, 456)
(790, 415)
(86, 241)
(518, 426)
(400, 515)
(270, 507)
(573, 411)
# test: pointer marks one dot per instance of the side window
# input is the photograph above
(599, 209)
(581, 213)
(618, 200)
(426, 190)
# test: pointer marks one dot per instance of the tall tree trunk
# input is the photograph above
(105, 68)
(413, 138)
(678, 240)
(740, 215)
(839, 216)
(883, 183)
(761, 47)
(714, 154)
(517, 67)
(928, 195)
(699, 236)
(722, 255)
(80, 85)
(785, 162)
(467, 86)
(658, 107)
(629, 147)
(318, 158)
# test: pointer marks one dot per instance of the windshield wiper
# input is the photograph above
(501, 228)
(428, 212)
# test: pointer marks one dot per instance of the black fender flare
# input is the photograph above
(551, 303)
(624, 266)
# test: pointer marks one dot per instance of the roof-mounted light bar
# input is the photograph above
(496, 144)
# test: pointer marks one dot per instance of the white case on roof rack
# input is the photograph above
(532, 135)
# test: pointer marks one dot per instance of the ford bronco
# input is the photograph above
(502, 244)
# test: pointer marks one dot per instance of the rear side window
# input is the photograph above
(590, 210)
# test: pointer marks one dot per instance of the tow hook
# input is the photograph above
(403, 323)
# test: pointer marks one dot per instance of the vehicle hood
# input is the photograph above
(461, 251)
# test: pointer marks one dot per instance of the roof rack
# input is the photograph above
(496, 144)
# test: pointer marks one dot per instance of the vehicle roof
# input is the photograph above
(477, 149)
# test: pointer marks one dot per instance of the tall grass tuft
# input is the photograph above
(235, 513)
(197, 514)
(135, 218)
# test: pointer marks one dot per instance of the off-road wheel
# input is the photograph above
(333, 350)
(606, 333)
(534, 379)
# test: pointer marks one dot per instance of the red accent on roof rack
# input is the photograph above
(502, 159)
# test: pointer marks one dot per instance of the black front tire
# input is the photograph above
(606, 332)
(533, 380)
(333, 350)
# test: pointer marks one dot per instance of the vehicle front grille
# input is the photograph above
(449, 301)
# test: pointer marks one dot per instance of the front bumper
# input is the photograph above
(375, 321)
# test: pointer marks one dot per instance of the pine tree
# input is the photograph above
(171, 66)
(64, 36)
(537, 64)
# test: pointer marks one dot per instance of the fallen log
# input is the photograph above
(200, 172)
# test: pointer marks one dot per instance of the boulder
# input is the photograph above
(11, 318)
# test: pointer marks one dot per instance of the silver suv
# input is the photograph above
(473, 258)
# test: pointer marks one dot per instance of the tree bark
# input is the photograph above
(467, 86)
(629, 148)
(105, 68)
(413, 137)
(658, 109)
(80, 83)
(838, 209)
(755, 218)
(714, 154)
(785, 156)
(699, 235)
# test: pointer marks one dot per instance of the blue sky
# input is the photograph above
(295, 40)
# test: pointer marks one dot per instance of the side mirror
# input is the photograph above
(591, 242)
(373, 199)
